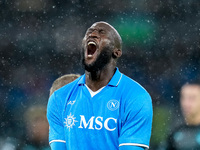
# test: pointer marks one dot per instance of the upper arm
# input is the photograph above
(54, 116)
(136, 123)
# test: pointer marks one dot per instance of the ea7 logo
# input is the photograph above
(71, 102)
(97, 123)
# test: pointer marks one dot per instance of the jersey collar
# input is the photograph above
(116, 78)
(113, 82)
(82, 80)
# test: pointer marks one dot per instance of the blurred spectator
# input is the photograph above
(36, 136)
(63, 80)
(187, 136)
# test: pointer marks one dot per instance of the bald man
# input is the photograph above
(103, 109)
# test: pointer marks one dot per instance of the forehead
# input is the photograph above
(190, 89)
(101, 25)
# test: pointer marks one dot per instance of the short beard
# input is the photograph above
(101, 61)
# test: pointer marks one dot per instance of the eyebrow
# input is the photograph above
(90, 29)
(98, 28)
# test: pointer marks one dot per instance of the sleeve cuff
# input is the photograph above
(134, 144)
(62, 141)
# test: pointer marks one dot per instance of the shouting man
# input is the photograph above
(103, 109)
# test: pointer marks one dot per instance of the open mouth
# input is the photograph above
(91, 48)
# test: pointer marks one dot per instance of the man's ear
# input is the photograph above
(117, 53)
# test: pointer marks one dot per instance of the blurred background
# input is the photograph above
(40, 40)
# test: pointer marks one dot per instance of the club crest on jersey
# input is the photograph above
(113, 105)
(70, 121)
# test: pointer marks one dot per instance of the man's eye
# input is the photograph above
(102, 31)
(89, 31)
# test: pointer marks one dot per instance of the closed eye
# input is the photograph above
(102, 31)
(89, 31)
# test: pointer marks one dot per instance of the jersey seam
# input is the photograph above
(119, 79)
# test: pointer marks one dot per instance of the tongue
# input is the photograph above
(91, 49)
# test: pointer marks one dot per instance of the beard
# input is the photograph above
(101, 61)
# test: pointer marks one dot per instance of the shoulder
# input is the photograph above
(179, 129)
(133, 88)
(59, 96)
(177, 135)
(135, 98)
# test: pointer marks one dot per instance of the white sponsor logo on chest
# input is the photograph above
(94, 123)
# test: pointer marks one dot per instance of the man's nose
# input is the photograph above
(94, 34)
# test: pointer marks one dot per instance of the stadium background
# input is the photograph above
(40, 40)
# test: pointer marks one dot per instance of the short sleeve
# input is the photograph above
(136, 122)
(54, 116)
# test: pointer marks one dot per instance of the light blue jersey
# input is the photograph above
(119, 115)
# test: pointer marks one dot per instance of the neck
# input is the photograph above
(98, 79)
(194, 120)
